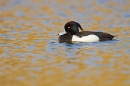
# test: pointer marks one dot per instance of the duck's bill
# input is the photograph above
(62, 33)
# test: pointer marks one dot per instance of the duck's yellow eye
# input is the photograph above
(68, 27)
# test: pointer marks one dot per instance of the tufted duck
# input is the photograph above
(71, 33)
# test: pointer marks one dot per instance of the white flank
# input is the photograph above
(62, 33)
(89, 38)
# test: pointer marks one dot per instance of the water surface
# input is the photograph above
(30, 54)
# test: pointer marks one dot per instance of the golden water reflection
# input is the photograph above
(30, 54)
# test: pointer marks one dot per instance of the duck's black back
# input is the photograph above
(102, 35)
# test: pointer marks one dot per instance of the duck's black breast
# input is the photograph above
(102, 35)
(65, 38)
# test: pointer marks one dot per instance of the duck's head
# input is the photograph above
(72, 27)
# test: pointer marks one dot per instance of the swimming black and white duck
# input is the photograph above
(71, 33)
